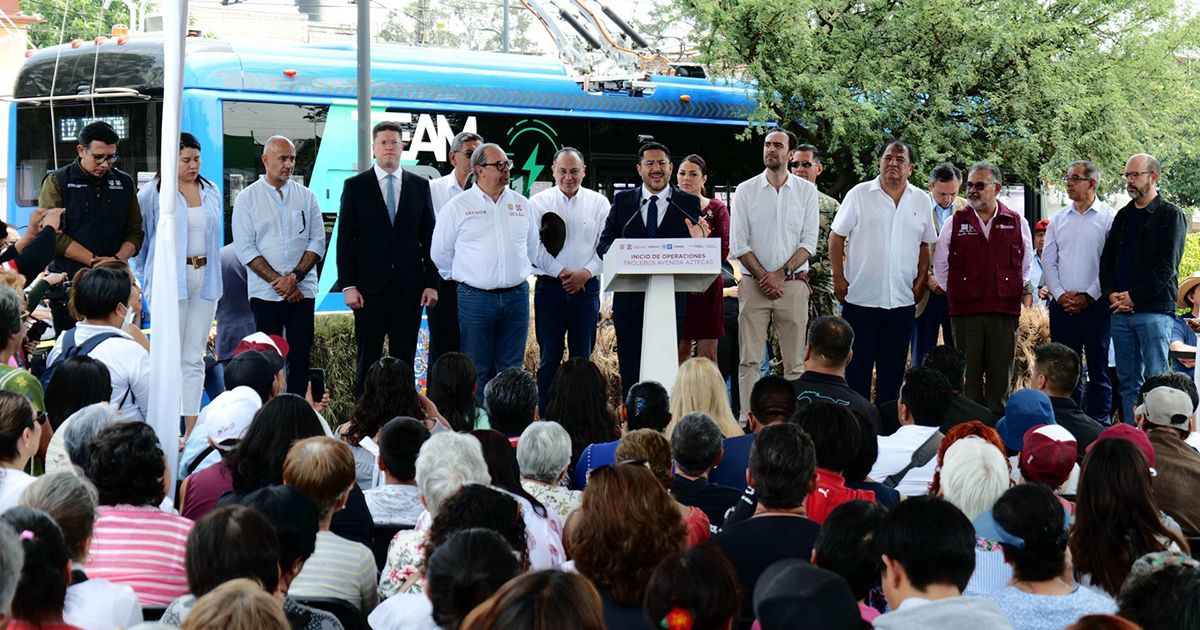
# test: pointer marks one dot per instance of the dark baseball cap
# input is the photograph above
(797, 594)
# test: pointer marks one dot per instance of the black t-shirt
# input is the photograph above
(712, 499)
(755, 544)
(814, 386)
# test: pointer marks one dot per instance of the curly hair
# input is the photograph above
(579, 401)
(956, 433)
(477, 506)
(452, 384)
(649, 446)
(127, 465)
(389, 391)
(625, 526)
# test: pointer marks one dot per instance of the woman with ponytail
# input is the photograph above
(42, 587)
(1029, 522)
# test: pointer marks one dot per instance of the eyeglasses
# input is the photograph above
(976, 185)
(804, 164)
(653, 163)
(574, 172)
(1075, 180)
(40, 417)
(502, 166)
(1134, 174)
(103, 159)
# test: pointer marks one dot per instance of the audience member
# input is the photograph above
(1031, 527)
(445, 463)
(974, 475)
(12, 559)
(543, 527)
(239, 604)
(795, 594)
(952, 363)
(544, 455)
(826, 356)
(540, 601)
(225, 421)
(77, 382)
(782, 472)
(135, 543)
(104, 298)
(395, 502)
(646, 406)
(1025, 408)
(846, 546)
(651, 449)
(956, 433)
(461, 574)
(1055, 372)
(20, 435)
(696, 447)
(699, 387)
(453, 387)
(293, 516)
(14, 378)
(856, 474)
(772, 400)
(511, 400)
(926, 545)
(579, 401)
(836, 439)
(907, 458)
(1048, 458)
(1167, 415)
(1103, 622)
(1167, 598)
(697, 584)
(45, 572)
(626, 525)
(70, 448)
(1116, 518)
(389, 391)
(339, 568)
(91, 603)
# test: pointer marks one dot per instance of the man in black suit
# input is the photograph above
(384, 229)
(656, 209)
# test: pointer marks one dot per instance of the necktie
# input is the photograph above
(652, 217)
(391, 196)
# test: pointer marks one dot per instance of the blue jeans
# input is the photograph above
(934, 319)
(1140, 341)
(561, 314)
(494, 327)
(1088, 333)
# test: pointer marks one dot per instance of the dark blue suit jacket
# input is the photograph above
(625, 221)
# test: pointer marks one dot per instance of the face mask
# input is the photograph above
(128, 316)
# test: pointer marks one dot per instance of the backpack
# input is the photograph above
(70, 349)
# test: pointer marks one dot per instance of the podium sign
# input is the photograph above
(660, 267)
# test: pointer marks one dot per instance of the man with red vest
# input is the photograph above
(982, 258)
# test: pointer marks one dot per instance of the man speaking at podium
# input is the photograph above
(653, 210)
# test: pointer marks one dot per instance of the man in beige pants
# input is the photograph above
(773, 232)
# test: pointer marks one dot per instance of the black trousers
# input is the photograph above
(444, 335)
(295, 323)
(627, 323)
(394, 313)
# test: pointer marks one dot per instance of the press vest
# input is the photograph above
(985, 272)
(96, 211)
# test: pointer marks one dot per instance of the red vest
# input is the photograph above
(985, 273)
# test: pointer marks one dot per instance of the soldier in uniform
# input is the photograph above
(806, 163)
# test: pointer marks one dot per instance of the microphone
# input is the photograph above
(635, 215)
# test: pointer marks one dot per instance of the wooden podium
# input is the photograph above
(660, 267)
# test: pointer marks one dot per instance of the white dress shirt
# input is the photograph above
(884, 243)
(584, 215)
(896, 451)
(772, 223)
(280, 230)
(486, 244)
(381, 175)
(1071, 253)
(442, 190)
(941, 253)
(662, 204)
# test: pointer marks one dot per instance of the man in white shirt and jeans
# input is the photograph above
(280, 236)
(486, 238)
(773, 231)
(880, 276)
(443, 316)
(566, 297)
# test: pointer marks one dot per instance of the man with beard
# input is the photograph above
(1079, 318)
(773, 233)
(982, 259)
(806, 164)
(880, 275)
(486, 238)
(653, 210)
(1138, 277)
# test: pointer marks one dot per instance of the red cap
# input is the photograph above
(1041, 226)
(263, 343)
(1048, 455)
(1124, 431)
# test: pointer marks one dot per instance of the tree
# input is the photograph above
(85, 19)
(464, 24)
(1028, 84)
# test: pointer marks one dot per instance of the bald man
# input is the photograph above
(279, 236)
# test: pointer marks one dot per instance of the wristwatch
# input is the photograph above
(786, 271)
(299, 275)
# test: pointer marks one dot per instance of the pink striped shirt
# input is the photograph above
(143, 548)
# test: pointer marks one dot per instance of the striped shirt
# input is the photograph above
(143, 548)
(341, 569)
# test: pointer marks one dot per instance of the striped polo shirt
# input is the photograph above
(341, 569)
(143, 548)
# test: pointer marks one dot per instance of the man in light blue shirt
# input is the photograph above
(279, 235)
(933, 312)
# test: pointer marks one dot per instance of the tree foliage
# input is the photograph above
(1028, 84)
(462, 24)
(85, 19)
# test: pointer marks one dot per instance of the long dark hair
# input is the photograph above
(579, 402)
(41, 588)
(1116, 518)
(78, 382)
(258, 459)
(389, 391)
(186, 141)
(452, 383)
(502, 465)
